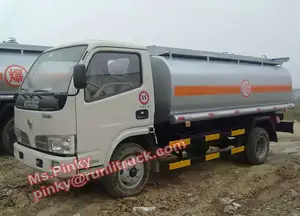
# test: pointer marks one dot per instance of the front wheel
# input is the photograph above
(8, 136)
(131, 178)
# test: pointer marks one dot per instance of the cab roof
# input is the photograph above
(95, 43)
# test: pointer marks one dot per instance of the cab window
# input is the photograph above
(111, 73)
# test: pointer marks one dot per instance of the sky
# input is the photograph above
(247, 27)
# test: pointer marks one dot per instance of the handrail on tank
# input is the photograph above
(213, 56)
(281, 60)
(22, 47)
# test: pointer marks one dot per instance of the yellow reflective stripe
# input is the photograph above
(237, 149)
(237, 132)
(180, 142)
(179, 164)
(212, 137)
(212, 156)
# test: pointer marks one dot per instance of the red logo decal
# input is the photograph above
(246, 88)
(144, 97)
(14, 75)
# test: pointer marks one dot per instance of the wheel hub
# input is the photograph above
(133, 172)
(261, 147)
(131, 176)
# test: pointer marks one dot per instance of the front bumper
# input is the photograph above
(42, 162)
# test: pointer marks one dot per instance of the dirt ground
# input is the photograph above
(214, 188)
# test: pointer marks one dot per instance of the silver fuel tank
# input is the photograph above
(195, 85)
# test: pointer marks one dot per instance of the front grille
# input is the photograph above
(24, 138)
(41, 142)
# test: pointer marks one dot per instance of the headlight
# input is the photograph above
(62, 144)
(18, 134)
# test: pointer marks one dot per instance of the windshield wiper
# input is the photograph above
(45, 93)
(23, 89)
(41, 90)
(38, 93)
(24, 95)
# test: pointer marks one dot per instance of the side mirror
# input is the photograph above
(79, 74)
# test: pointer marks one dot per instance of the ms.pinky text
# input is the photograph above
(37, 177)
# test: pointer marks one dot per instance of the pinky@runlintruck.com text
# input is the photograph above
(80, 179)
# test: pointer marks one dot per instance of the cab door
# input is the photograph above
(117, 103)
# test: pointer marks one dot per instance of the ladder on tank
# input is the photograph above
(213, 56)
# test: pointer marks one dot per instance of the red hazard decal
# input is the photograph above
(144, 97)
(246, 88)
(14, 75)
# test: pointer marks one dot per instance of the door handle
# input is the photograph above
(142, 114)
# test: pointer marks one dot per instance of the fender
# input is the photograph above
(122, 136)
(266, 123)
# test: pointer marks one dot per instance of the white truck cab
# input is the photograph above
(55, 129)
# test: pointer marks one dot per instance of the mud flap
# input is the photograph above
(287, 127)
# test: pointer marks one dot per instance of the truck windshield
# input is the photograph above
(53, 70)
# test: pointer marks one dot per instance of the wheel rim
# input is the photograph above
(132, 176)
(261, 146)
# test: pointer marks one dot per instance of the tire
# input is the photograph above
(257, 146)
(115, 182)
(8, 136)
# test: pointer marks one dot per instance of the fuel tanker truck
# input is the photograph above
(125, 108)
(15, 60)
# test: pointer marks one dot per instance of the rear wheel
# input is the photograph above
(129, 181)
(257, 146)
(8, 136)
